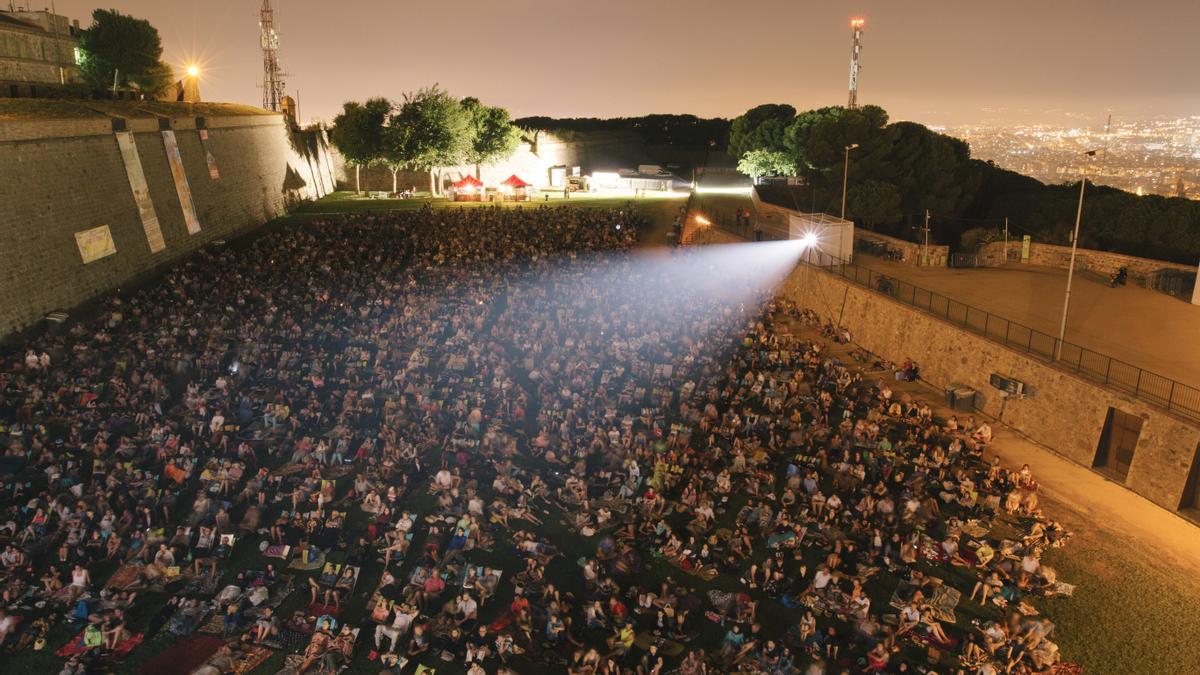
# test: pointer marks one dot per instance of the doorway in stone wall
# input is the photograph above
(1190, 504)
(1114, 454)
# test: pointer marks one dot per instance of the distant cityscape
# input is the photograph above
(1157, 156)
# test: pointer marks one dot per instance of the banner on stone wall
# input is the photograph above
(181, 182)
(1025, 244)
(213, 171)
(141, 193)
(95, 244)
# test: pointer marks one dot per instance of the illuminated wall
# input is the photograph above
(63, 177)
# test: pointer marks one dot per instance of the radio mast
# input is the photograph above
(856, 30)
(272, 74)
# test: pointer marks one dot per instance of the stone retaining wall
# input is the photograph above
(914, 254)
(63, 176)
(1061, 410)
(1142, 271)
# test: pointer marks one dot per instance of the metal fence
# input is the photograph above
(1176, 397)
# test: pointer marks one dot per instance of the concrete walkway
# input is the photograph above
(1141, 327)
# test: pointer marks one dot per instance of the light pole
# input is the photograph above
(846, 176)
(1062, 327)
(845, 183)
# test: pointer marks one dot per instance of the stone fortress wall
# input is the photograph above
(64, 176)
(1061, 410)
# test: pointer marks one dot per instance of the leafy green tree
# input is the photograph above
(125, 47)
(758, 163)
(874, 201)
(433, 131)
(493, 136)
(358, 133)
(762, 127)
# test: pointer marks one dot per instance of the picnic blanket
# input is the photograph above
(125, 576)
(316, 562)
(183, 656)
(122, 649)
(318, 609)
(706, 573)
(280, 551)
(279, 592)
(291, 665)
(975, 528)
(289, 469)
(666, 646)
(252, 658)
(942, 602)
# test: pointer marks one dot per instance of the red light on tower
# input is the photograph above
(857, 22)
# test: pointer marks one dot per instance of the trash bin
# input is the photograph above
(964, 399)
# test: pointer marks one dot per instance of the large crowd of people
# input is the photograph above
(496, 440)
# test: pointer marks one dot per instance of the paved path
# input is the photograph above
(1144, 328)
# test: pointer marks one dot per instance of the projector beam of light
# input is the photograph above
(699, 301)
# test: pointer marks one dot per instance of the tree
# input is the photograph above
(358, 134)
(756, 163)
(432, 131)
(118, 44)
(875, 202)
(762, 127)
(493, 136)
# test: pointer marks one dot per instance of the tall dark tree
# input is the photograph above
(762, 127)
(129, 50)
(358, 133)
(874, 202)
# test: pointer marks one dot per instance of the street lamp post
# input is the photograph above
(1062, 327)
(845, 183)
(846, 176)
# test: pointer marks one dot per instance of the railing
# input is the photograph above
(1176, 397)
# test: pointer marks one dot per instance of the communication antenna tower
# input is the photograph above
(273, 86)
(856, 31)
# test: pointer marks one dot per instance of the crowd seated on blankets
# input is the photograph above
(499, 438)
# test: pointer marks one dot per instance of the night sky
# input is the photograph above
(933, 61)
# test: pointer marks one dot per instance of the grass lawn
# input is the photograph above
(659, 209)
(1132, 611)
(348, 202)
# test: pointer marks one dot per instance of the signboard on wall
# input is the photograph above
(181, 183)
(214, 172)
(95, 244)
(141, 192)
(1025, 243)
